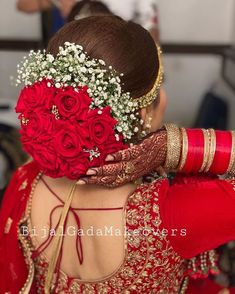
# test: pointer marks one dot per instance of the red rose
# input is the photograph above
(39, 126)
(112, 145)
(62, 145)
(72, 104)
(101, 125)
(60, 171)
(78, 167)
(37, 95)
(69, 139)
(44, 155)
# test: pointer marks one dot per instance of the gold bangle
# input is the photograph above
(206, 150)
(212, 150)
(184, 149)
(231, 167)
(173, 147)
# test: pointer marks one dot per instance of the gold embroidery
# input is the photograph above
(26, 246)
(231, 180)
(150, 262)
(8, 225)
(135, 198)
(23, 185)
(133, 217)
(27, 254)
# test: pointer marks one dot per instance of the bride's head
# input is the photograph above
(129, 49)
(96, 89)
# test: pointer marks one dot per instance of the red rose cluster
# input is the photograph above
(60, 131)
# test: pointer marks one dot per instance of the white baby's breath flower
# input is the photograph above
(101, 62)
(82, 57)
(50, 58)
(83, 69)
(136, 130)
(117, 137)
(112, 81)
(52, 70)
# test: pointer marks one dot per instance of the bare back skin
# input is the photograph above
(103, 254)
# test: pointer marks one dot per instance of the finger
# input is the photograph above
(81, 182)
(124, 155)
(160, 170)
(96, 180)
(108, 181)
(115, 156)
(91, 172)
(107, 170)
(109, 158)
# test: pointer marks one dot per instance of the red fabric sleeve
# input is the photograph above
(203, 213)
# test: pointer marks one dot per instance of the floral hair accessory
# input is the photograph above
(62, 133)
(73, 67)
(73, 111)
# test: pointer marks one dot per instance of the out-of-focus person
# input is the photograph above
(54, 13)
(86, 8)
(142, 12)
(31, 6)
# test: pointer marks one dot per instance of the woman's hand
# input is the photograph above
(130, 164)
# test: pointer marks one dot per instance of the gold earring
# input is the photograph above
(148, 125)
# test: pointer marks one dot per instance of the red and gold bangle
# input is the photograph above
(184, 152)
(198, 149)
(212, 149)
(190, 154)
(231, 166)
(206, 150)
(195, 150)
(223, 153)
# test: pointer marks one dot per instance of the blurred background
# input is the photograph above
(197, 37)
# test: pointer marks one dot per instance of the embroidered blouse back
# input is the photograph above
(137, 262)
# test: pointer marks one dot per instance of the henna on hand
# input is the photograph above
(132, 163)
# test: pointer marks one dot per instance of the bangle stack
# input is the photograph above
(200, 150)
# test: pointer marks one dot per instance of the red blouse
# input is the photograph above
(197, 214)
